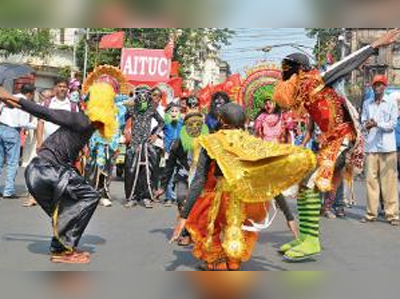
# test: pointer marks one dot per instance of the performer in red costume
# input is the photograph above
(306, 90)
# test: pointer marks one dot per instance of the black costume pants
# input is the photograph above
(157, 170)
(182, 190)
(135, 172)
(66, 197)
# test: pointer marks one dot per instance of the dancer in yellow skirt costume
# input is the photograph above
(237, 175)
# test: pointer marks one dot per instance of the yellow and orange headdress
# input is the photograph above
(101, 87)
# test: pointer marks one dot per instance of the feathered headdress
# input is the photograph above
(101, 87)
(108, 74)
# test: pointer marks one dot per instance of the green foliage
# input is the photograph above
(187, 45)
(327, 42)
(32, 41)
(65, 72)
(261, 95)
(354, 93)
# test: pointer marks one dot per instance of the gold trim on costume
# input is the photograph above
(55, 229)
(234, 243)
(213, 213)
(112, 71)
(256, 170)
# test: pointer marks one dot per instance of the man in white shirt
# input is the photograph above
(59, 102)
(11, 123)
(379, 119)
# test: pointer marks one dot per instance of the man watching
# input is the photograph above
(379, 119)
(59, 102)
(11, 123)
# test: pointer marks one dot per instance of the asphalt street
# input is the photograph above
(137, 239)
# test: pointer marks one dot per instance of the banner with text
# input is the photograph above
(143, 65)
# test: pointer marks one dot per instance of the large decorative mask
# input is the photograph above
(218, 103)
(142, 98)
(175, 113)
(193, 103)
(194, 125)
(218, 100)
(293, 64)
(270, 106)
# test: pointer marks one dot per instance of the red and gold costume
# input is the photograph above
(307, 93)
(243, 174)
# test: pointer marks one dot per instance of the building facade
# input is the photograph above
(209, 69)
(48, 68)
(386, 61)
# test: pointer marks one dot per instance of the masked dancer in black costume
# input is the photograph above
(52, 180)
(141, 156)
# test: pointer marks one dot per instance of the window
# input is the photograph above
(62, 36)
(396, 49)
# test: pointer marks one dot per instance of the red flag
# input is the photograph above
(175, 69)
(169, 49)
(113, 41)
(186, 93)
(176, 85)
(204, 96)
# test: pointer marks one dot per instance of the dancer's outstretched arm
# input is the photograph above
(74, 121)
(8, 99)
(353, 61)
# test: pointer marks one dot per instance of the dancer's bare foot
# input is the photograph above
(178, 230)
(75, 257)
(220, 265)
(234, 265)
(158, 193)
(31, 202)
(87, 253)
(184, 241)
(105, 202)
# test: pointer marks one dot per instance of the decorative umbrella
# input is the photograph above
(10, 71)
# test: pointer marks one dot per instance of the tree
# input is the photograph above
(327, 42)
(30, 41)
(186, 51)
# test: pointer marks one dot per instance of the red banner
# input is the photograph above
(231, 86)
(169, 49)
(142, 65)
(176, 85)
(113, 41)
(175, 69)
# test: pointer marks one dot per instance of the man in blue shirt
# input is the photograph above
(172, 129)
(396, 97)
(379, 120)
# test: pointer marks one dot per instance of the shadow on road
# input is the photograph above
(259, 263)
(40, 244)
(167, 232)
(183, 258)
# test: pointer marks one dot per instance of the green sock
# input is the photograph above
(309, 207)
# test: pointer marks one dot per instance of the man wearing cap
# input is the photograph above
(305, 90)
(12, 121)
(379, 120)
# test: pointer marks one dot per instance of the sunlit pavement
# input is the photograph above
(137, 239)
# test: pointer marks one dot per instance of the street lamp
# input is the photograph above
(85, 66)
(298, 47)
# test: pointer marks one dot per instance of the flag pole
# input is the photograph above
(85, 66)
